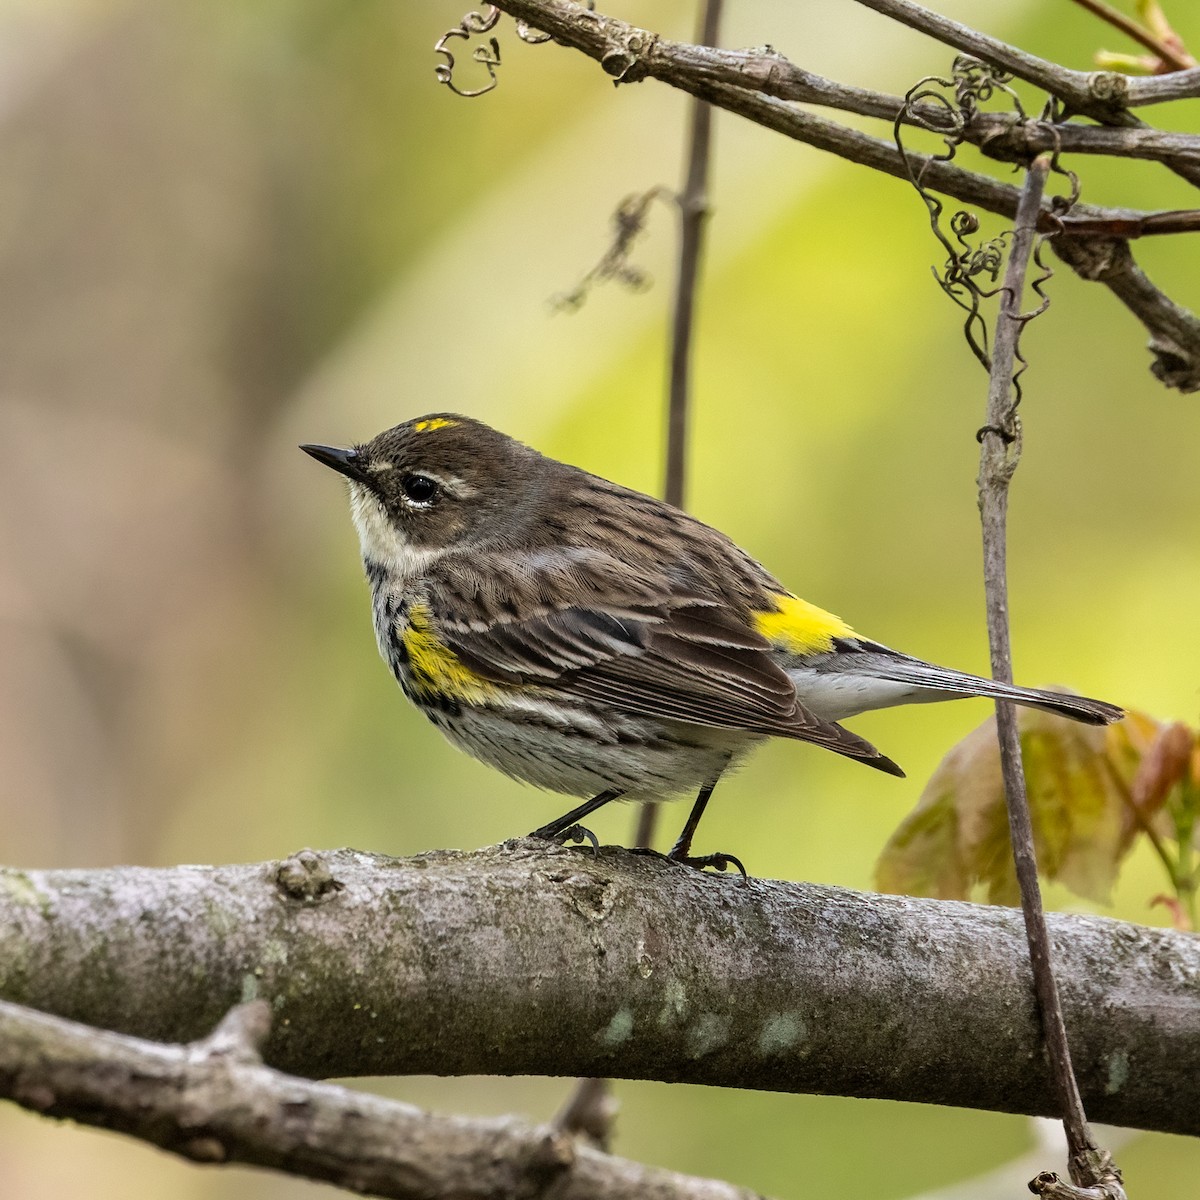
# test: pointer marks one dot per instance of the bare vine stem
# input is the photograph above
(1092, 240)
(1101, 95)
(1000, 450)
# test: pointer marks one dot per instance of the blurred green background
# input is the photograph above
(225, 229)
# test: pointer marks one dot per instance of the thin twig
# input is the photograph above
(1142, 821)
(1000, 448)
(1101, 95)
(693, 211)
(1077, 89)
(693, 214)
(1156, 89)
(590, 1106)
(630, 54)
(1171, 56)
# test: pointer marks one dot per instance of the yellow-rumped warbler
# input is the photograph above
(592, 640)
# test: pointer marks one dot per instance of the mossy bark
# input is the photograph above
(531, 959)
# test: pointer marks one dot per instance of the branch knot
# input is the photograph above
(1109, 88)
(306, 876)
(629, 62)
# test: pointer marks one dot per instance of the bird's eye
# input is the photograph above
(420, 489)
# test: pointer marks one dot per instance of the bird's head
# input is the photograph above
(431, 484)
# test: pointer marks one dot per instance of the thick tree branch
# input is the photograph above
(741, 84)
(528, 959)
(214, 1102)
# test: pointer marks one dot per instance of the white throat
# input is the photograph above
(381, 542)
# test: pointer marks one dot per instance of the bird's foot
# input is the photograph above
(572, 833)
(718, 862)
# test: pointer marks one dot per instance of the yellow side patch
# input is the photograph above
(799, 627)
(434, 423)
(434, 667)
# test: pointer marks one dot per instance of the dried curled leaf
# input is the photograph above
(1165, 764)
(1078, 779)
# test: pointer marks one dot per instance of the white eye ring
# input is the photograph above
(419, 490)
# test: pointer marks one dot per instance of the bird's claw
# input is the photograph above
(572, 833)
(718, 862)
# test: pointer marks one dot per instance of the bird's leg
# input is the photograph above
(567, 829)
(681, 852)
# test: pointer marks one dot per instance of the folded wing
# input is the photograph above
(686, 658)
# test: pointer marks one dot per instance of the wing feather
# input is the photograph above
(686, 658)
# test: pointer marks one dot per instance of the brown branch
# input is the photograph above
(531, 959)
(1105, 96)
(1174, 330)
(631, 54)
(768, 72)
(1000, 452)
(1099, 95)
(214, 1102)
(751, 83)
(1156, 89)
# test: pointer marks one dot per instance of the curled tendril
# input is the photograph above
(1060, 205)
(472, 25)
(629, 222)
(971, 272)
(976, 82)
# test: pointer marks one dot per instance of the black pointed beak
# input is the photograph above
(345, 462)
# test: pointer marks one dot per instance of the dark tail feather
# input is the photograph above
(1078, 708)
(888, 664)
(881, 762)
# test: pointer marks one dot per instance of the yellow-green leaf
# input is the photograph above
(1077, 778)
